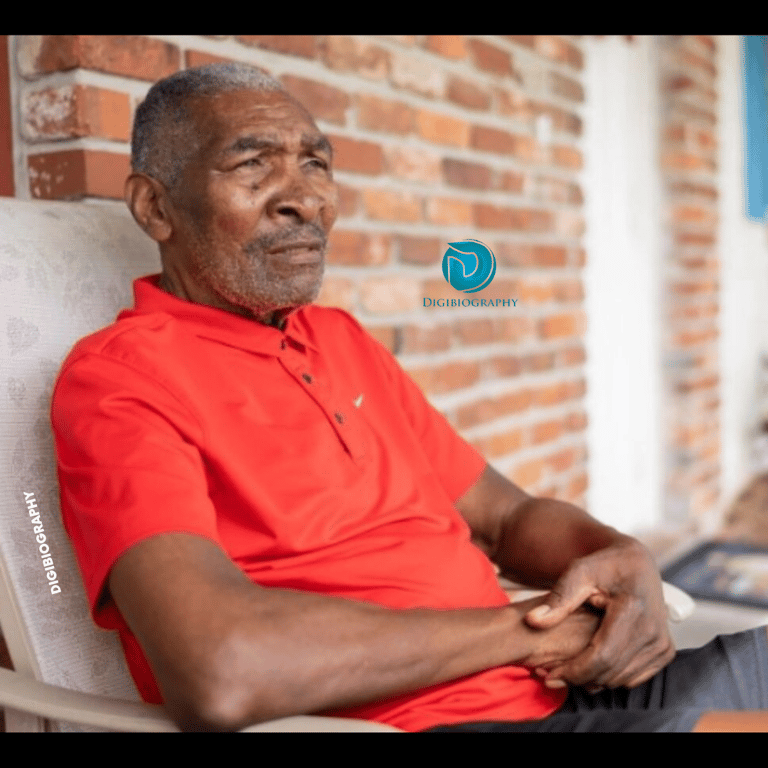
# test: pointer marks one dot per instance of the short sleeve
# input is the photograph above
(129, 467)
(457, 463)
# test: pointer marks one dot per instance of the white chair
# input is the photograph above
(65, 271)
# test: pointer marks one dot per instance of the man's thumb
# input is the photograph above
(556, 607)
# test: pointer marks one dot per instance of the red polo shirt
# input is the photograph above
(305, 453)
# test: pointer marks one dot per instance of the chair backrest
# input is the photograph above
(65, 270)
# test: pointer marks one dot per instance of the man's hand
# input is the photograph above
(551, 648)
(632, 642)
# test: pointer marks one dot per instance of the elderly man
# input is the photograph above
(271, 514)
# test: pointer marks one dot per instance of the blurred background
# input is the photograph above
(621, 182)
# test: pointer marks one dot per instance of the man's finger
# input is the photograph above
(561, 601)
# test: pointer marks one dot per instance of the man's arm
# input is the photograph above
(227, 653)
(555, 545)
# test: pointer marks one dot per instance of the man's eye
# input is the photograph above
(317, 162)
(251, 161)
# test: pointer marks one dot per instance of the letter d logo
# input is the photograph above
(469, 265)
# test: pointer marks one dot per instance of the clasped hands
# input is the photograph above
(603, 624)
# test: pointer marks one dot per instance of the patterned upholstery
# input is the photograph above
(65, 270)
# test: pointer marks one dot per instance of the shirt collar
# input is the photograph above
(214, 323)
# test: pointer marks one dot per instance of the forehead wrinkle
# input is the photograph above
(309, 143)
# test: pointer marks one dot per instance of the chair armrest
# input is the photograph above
(24, 693)
(680, 605)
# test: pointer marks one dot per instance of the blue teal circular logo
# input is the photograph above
(469, 265)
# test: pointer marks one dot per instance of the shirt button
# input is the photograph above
(339, 417)
(282, 344)
(306, 378)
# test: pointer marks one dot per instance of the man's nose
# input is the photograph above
(297, 198)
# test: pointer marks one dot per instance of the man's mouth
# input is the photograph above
(299, 252)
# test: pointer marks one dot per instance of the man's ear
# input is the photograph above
(147, 200)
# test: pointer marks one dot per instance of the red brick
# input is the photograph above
(417, 74)
(489, 409)
(7, 186)
(337, 292)
(357, 156)
(447, 377)
(323, 101)
(577, 486)
(75, 111)
(689, 188)
(535, 292)
(461, 173)
(569, 290)
(386, 335)
(573, 356)
(549, 256)
(504, 443)
(566, 87)
(693, 238)
(452, 46)
(358, 248)
(416, 338)
(202, 58)
(349, 55)
(442, 129)
(296, 45)
(692, 60)
(492, 139)
(514, 104)
(413, 163)
(389, 294)
(567, 122)
(348, 200)
(474, 331)
(545, 432)
(468, 94)
(129, 55)
(680, 83)
(562, 460)
(511, 181)
(77, 173)
(562, 326)
(495, 217)
(384, 115)
(386, 205)
(686, 289)
(490, 58)
(448, 211)
(420, 250)
(567, 157)
(539, 362)
(526, 474)
(529, 41)
(506, 365)
(575, 422)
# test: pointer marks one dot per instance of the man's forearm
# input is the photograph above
(227, 653)
(303, 653)
(543, 537)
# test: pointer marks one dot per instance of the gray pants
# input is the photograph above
(728, 673)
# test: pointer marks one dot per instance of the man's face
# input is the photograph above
(254, 205)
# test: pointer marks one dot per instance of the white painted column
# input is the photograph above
(621, 184)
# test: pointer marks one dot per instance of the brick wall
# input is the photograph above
(437, 138)
(691, 366)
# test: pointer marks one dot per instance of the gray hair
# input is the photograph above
(163, 141)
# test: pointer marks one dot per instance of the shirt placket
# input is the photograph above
(342, 416)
